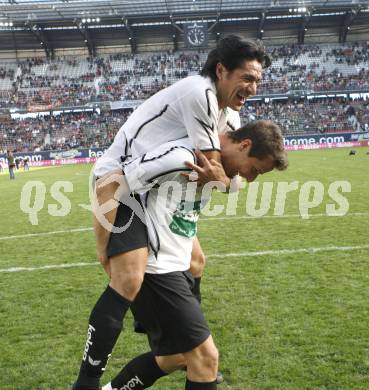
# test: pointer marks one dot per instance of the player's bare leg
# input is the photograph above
(126, 271)
(202, 366)
(144, 370)
(104, 194)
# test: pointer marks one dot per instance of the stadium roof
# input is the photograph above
(49, 10)
(55, 24)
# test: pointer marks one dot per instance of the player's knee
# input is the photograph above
(132, 284)
(211, 357)
(171, 363)
(127, 284)
(207, 356)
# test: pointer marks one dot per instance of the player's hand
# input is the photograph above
(208, 170)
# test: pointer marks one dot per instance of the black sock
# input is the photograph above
(105, 325)
(139, 373)
(196, 289)
(200, 385)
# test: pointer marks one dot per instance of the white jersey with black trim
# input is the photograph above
(188, 108)
(172, 204)
(229, 121)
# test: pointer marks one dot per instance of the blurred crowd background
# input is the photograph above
(308, 89)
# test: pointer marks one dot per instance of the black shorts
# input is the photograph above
(134, 237)
(170, 314)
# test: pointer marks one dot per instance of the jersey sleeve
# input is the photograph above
(233, 120)
(157, 166)
(200, 112)
(113, 156)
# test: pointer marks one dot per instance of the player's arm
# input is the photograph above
(208, 170)
(209, 160)
(139, 176)
(211, 168)
(200, 112)
(212, 155)
(156, 166)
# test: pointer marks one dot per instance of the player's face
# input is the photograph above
(239, 162)
(233, 88)
(254, 167)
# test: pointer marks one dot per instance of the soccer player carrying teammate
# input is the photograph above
(166, 307)
(198, 107)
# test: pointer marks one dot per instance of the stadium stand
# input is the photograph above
(60, 132)
(39, 84)
(328, 115)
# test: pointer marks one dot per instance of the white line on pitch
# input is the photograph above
(277, 252)
(85, 229)
(205, 219)
(292, 251)
(51, 266)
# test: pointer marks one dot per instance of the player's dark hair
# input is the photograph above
(231, 52)
(267, 141)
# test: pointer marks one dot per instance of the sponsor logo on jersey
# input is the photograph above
(184, 220)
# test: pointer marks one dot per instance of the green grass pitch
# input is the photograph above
(281, 320)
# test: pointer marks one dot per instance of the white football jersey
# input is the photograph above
(172, 204)
(188, 108)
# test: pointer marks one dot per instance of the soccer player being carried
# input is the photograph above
(166, 307)
(198, 108)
